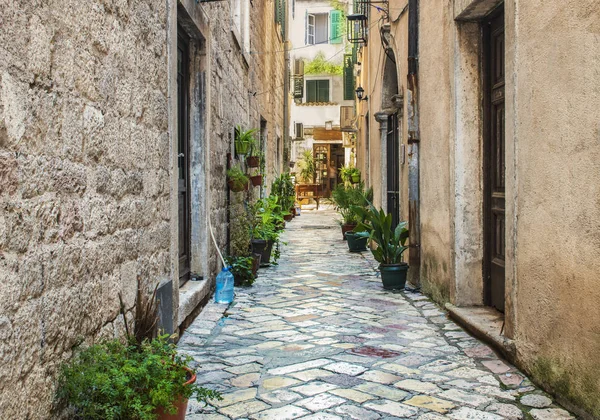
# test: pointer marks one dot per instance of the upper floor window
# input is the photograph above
(240, 16)
(317, 91)
(324, 28)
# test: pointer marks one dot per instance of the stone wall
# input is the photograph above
(87, 151)
(84, 193)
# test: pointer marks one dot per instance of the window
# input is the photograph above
(240, 16)
(317, 91)
(317, 28)
(299, 130)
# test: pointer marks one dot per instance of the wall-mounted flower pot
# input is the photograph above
(288, 217)
(237, 187)
(347, 228)
(393, 276)
(256, 180)
(355, 179)
(252, 161)
(242, 147)
(356, 243)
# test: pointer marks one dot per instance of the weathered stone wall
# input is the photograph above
(84, 193)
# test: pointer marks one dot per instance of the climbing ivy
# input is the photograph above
(319, 65)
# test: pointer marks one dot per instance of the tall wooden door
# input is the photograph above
(393, 170)
(494, 155)
(183, 136)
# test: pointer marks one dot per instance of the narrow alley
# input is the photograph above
(317, 337)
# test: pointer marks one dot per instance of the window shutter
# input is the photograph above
(348, 77)
(335, 26)
(299, 130)
(298, 78)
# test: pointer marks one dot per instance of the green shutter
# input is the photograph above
(323, 95)
(311, 91)
(317, 91)
(335, 26)
(348, 77)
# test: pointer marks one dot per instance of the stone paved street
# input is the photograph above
(317, 337)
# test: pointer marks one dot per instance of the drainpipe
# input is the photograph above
(413, 143)
(286, 80)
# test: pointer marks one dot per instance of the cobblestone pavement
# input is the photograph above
(317, 337)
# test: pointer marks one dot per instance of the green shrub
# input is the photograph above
(113, 380)
(241, 268)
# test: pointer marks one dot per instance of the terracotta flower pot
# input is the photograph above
(288, 217)
(252, 161)
(256, 180)
(256, 263)
(347, 228)
(181, 403)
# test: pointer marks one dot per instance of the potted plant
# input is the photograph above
(345, 197)
(242, 270)
(355, 175)
(141, 377)
(256, 179)
(307, 166)
(237, 180)
(267, 221)
(253, 160)
(283, 188)
(390, 245)
(244, 139)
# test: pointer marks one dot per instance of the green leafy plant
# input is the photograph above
(244, 140)
(377, 226)
(347, 198)
(237, 177)
(268, 221)
(283, 188)
(113, 380)
(320, 65)
(241, 268)
(306, 163)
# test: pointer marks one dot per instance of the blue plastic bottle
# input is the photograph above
(224, 289)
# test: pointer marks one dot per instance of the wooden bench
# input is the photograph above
(308, 191)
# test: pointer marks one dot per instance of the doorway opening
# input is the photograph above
(183, 147)
(494, 200)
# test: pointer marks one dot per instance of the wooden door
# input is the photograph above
(494, 155)
(182, 154)
(393, 170)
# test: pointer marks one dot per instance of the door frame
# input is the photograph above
(487, 153)
(184, 39)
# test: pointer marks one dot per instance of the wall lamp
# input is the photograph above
(360, 94)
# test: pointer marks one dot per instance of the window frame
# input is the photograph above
(317, 80)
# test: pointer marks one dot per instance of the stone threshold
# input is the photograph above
(486, 324)
(191, 296)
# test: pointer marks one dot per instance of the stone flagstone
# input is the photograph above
(317, 337)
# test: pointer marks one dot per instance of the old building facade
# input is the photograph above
(318, 49)
(116, 126)
(481, 129)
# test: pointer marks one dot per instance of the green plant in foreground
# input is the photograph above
(391, 244)
(113, 380)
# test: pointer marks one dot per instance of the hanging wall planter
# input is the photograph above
(252, 161)
(256, 180)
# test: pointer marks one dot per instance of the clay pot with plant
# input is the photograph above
(142, 378)
(345, 198)
(237, 179)
(244, 139)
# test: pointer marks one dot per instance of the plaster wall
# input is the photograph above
(555, 132)
(436, 107)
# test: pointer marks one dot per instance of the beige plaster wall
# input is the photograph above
(436, 40)
(556, 135)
